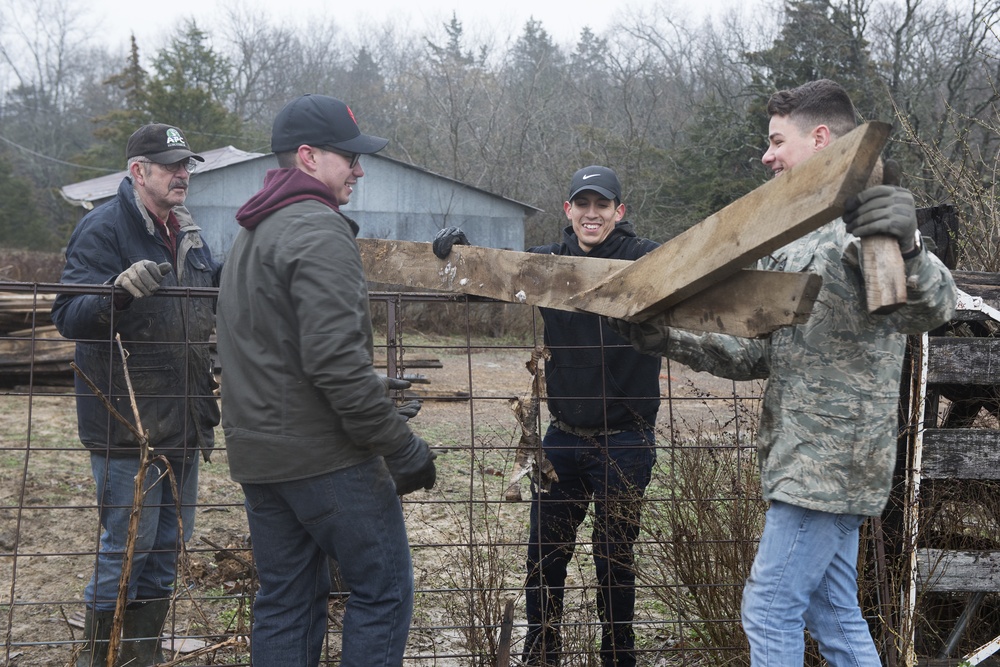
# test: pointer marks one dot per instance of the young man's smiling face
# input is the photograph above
(338, 172)
(593, 217)
(790, 142)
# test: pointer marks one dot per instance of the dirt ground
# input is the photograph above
(468, 559)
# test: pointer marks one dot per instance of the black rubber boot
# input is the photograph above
(141, 633)
(97, 632)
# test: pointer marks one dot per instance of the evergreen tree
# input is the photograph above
(820, 39)
(189, 89)
(451, 53)
(716, 164)
(114, 128)
(448, 116)
(365, 92)
(21, 223)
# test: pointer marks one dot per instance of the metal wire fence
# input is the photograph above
(466, 359)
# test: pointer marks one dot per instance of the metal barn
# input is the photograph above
(394, 200)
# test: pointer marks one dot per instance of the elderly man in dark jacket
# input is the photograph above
(140, 240)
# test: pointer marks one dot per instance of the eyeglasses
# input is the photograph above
(189, 165)
(352, 158)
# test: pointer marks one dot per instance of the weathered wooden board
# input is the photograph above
(977, 283)
(963, 360)
(969, 571)
(506, 275)
(885, 273)
(748, 304)
(801, 200)
(669, 278)
(961, 453)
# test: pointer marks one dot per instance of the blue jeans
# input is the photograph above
(354, 516)
(805, 575)
(612, 471)
(154, 563)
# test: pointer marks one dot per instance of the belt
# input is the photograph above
(587, 432)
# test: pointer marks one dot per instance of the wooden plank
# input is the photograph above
(959, 453)
(801, 200)
(963, 360)
(505, 275)
(978, 283)
(18, 310)
(885, 273)
(941, 570)
(749, 304)
(881, 261)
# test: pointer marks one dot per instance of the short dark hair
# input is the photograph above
(286, 159)
(820, 102)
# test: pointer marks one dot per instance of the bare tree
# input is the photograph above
(46, 70)
(263, 57)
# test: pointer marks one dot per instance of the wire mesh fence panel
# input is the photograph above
(467, 361)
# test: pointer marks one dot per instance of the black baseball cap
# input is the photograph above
(162, 144)
(318, 120)
(601, 180)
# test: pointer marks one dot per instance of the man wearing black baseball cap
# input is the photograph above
(159, 143)
(318, 120)
(312, 435)
(603, 399)
(141, 239)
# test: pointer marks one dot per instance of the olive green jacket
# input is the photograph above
(300, 396)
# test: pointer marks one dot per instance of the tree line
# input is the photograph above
(676, 108)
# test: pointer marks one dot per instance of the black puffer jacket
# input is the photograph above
(595, 379)
(166, 337)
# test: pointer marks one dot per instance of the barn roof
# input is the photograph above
(86, 193)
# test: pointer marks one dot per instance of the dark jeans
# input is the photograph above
(353, 515)
(613, 472)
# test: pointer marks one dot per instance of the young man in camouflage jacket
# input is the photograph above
(827, 434)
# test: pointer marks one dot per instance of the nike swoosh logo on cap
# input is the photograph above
(583, 178)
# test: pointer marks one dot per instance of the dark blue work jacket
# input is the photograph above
(166, 338)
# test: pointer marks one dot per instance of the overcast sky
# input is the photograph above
(563, 19)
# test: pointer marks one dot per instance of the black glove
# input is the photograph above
(143, 278)
(412, 466)
(409, 409)
(406, 410)
(393, 384)
(883, 209)
(445, 239)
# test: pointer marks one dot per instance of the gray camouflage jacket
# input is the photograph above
(827, 433)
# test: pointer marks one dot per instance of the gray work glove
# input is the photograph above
(445, 239)
(646, 337)
(143, 278)
(412, 466)
(883, 209)
(409, 409)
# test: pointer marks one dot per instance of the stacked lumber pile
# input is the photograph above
(32, 352)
